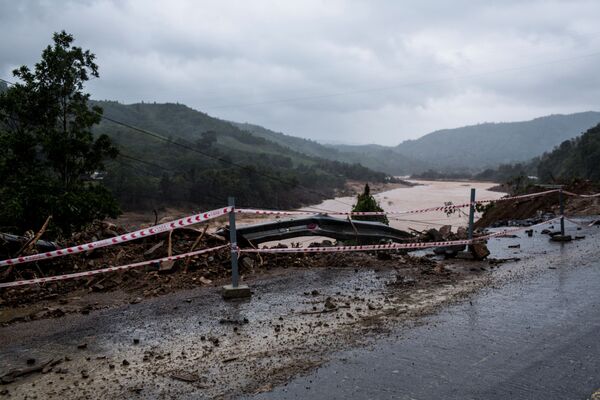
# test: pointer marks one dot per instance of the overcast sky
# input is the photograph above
(335, 71)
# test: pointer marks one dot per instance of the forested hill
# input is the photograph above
(305, 146)
(491, 144)
(471, 149)
(206, 159)
(379, 158)
(576, 158)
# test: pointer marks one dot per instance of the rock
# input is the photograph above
(84, 374)
(125, 363)
(561, 238)
(247, 262)
(136, 341)
(446, 231)
(82, 346)
(329, 304)
(30, 361)
(136, 300)
(166, 267)
(205, 281)
(433, 235)
(98, 287)
(479, 250)
(315, 292)
(514, 246)
(185, 376)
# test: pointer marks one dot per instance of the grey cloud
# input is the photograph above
(354, 71)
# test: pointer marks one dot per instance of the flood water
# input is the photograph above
(426, 194)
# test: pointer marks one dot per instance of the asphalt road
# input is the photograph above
(537, 338)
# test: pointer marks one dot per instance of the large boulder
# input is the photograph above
(479, 250)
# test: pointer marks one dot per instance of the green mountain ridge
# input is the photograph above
(204, 160)
(577, 158)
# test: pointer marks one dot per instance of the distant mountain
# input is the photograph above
(376, 157)
(476, 147)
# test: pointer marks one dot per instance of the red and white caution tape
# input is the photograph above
(154, 230)
(523, 196)
(445, 208)
(581, 195)
(514, 230)
(359, 213)
(392, 246)
(583, 224)
(341, 249)
(106, 270)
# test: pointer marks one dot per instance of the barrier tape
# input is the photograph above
(154, 230)
(392, 246)
(349, 213)
(197, 218)
(523, 196)
(583, 224)
(105, 270)
(521, 228)
(581, 195)
(374, 213)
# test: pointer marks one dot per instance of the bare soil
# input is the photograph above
(549, 204)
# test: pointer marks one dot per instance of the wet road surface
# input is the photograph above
(537, 338)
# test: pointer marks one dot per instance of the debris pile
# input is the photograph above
(530, 211)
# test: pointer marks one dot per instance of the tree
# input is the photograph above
(49, 151)
(365, 202)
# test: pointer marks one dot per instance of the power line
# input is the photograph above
(208, 155)
(215, 201)
(190, 148)
(183, 172)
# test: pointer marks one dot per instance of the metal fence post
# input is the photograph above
(471, 215)
(562, 212)
(235, 290)
(235, 277)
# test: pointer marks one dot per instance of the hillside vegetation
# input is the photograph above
(578, 158)
(204, 160)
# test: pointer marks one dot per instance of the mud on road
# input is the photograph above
(192, 344)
